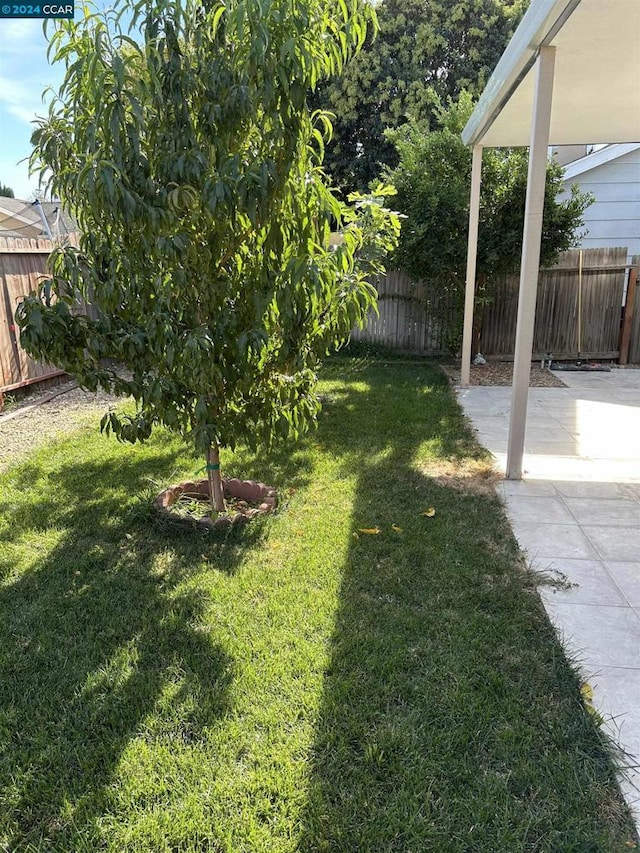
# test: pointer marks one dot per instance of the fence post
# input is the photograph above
(625, 335)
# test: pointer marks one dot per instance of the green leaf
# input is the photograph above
(186, 150)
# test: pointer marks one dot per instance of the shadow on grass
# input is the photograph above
(450, 719)
(100, 639)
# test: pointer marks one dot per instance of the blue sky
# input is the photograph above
(24, 74)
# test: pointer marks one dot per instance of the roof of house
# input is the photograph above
(596, 88)
(599, 158)
(26, 212)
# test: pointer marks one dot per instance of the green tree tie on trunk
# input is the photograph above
(187, 153)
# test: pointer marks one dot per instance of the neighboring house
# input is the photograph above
(565, 154)
(612, 175)
(19, 218)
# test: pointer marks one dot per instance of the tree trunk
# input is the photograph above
(215, 481)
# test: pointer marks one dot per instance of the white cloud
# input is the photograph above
(20, 33)
(24, 70)
(24, 74)
(21, 97)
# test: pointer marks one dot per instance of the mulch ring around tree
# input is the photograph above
(188, 504)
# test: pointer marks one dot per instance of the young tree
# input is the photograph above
(6, 191)
(433, 179)
(424, 52)
(192, 164)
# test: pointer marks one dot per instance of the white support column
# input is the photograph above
(530, 264)
(472, 252)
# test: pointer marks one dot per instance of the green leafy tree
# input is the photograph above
(192, 164)
(424, 52)
(433, 179)
(6, 191)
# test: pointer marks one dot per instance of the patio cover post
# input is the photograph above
(472, 253)
(530, 263)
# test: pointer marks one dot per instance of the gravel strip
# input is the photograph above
(22, 433)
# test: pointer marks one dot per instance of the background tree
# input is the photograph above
(191, 162)
(6, 191)
(424, 52)
(433, 179)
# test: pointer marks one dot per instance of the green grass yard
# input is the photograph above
(294, 686)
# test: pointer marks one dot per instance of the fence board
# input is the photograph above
(578, 312)
(408, 314)
(634, 342)
(9, 358)
(23, 261)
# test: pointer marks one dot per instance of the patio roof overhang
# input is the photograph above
(596, 91)
(570, 75)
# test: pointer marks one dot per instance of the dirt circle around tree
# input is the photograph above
(188, 504)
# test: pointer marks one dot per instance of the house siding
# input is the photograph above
(614, 217)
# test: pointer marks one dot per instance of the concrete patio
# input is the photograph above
(576, 513)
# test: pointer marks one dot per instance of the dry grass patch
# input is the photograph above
(474, 476)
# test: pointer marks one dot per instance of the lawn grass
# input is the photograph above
(295, 686)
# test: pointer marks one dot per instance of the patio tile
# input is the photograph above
(525, 508)
(617, 470)
(547, 432)
(627, 577)
(628, 394)
(495, 442)
(526, 487)
(600, 491)
(597, 391)
(553, 540)
(495, 445)
(543, 421)
(564, 413)
(489, 434)
(614, 543)
(591, 584)
(498, 422)
(629, 782)
(597, 635)
(477, 414)
(617, 692)
(568, 468)
(616, 695)
(551, 447)
(598, 511)
(558, 404)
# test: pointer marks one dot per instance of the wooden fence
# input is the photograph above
(409, 316)
(23, 262)
(578, 312)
